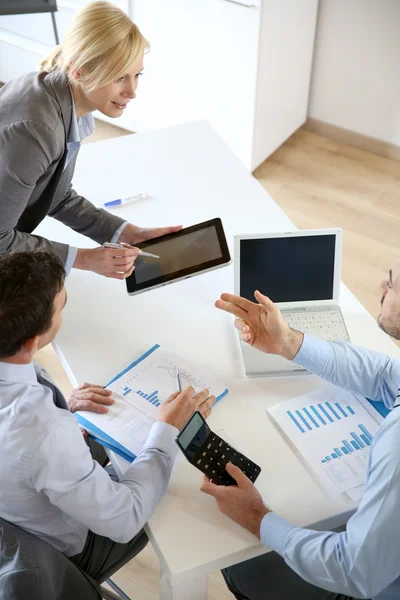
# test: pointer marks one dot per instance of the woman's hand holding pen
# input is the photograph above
(110, 262)
(119, 263)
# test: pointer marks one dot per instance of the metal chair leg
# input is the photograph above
(107, 595)
(111, 595)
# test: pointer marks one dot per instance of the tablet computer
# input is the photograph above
(188, 252)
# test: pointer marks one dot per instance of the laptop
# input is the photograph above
(300, 271)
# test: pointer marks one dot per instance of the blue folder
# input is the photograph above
(380, 407)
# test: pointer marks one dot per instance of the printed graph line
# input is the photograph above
(173, 372)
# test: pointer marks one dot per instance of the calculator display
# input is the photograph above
(194, 436)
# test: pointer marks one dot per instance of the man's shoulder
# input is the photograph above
(28, 417)
(35, 413)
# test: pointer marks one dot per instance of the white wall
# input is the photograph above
(356, 74)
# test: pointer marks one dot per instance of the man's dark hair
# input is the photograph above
(29, 283)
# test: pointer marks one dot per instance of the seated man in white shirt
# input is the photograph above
(50, 484)
(364, 560)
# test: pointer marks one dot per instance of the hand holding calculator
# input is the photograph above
(210, 453)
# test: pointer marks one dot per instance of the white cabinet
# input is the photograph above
(244, 65)
(202, 65)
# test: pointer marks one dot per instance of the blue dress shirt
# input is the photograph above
(363, 561)
(50, 485)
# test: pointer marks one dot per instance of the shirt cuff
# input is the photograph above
(274, 531)
(120, 229)
(71, 257)
(162, 437)
(313, 354)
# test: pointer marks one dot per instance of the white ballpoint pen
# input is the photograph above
(123, 245)
(121, 201)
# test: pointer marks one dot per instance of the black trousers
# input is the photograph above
(268, 577)
(101, 557)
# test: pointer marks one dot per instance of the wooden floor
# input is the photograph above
(318, 183)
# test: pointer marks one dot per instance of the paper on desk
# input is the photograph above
(139, 391)
(356, 494)
(332, 430)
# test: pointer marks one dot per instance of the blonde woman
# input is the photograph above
(45, 116)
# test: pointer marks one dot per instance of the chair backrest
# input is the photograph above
(19, 7)
(32, 568)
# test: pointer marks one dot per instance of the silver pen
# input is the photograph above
(179, 381)
(123, 245)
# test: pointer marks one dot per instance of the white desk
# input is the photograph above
(193, 177)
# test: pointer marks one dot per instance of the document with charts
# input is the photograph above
(332, 429)
(138, 392)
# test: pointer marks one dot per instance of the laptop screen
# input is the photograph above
(288, 269)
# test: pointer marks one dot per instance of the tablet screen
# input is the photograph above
(183, 252)
(189, 251)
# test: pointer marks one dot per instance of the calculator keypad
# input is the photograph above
(214, 455)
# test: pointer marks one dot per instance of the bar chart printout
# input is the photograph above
(152, 381)
(139, 391)
(333, 431)
(152, 397)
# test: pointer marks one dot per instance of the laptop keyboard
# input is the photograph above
(326, 325)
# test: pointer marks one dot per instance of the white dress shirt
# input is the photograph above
(51, 486)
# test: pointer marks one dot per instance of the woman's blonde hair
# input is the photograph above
(102, 43)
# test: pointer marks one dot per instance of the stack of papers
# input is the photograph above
(332, 429)
(138, 392)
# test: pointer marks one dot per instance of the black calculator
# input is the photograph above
(209, 453)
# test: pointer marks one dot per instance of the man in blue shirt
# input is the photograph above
(51, 486)
(364, 560)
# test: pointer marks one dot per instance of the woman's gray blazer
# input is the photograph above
(35, 116)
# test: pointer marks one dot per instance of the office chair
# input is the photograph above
(20, 7)
(29, 563)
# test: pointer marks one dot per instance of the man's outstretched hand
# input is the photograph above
(262, 325)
